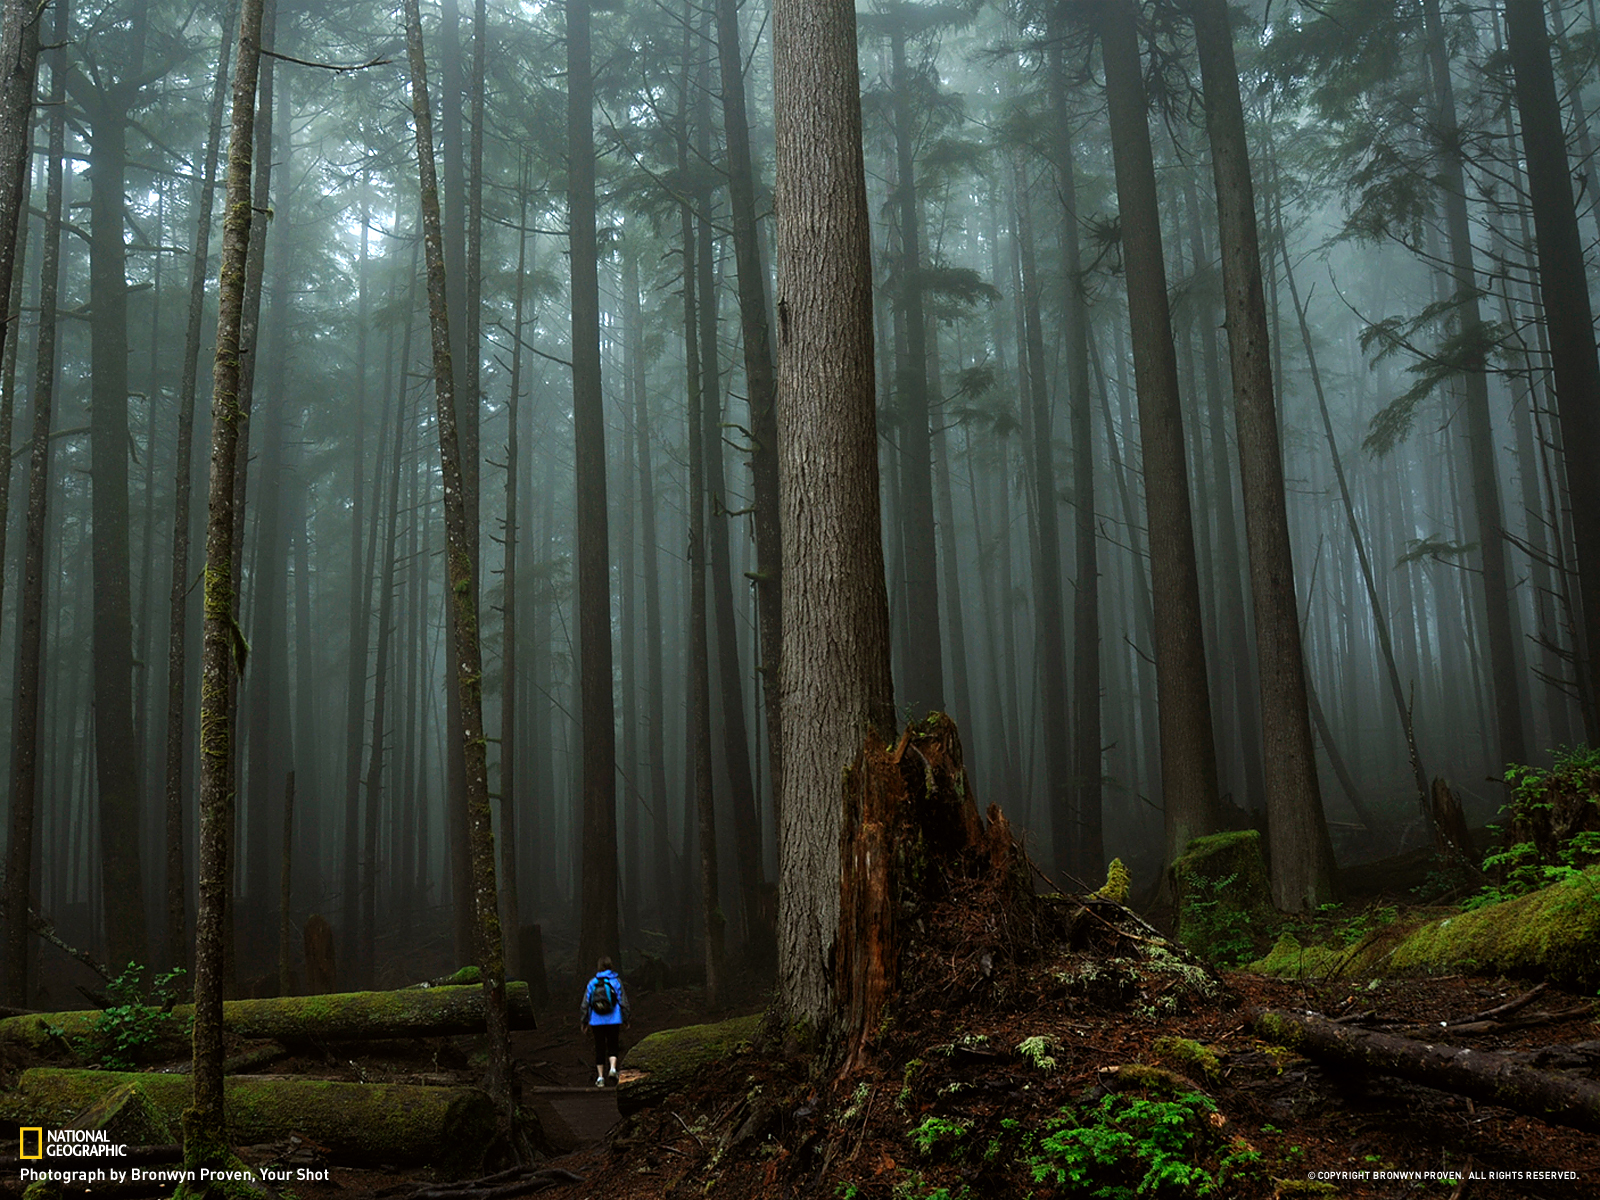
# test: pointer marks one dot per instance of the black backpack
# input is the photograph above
(602, 997)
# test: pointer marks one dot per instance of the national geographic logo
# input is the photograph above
(35, 1142)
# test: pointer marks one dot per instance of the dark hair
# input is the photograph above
(605, 963)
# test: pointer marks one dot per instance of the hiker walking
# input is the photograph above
(605, 1012)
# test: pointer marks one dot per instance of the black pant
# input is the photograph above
(606, 1038)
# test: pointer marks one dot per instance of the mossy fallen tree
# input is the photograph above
(343, 1016)
(1551, 934)
(359, 1123)
(663, 1062)
(1494, 1078)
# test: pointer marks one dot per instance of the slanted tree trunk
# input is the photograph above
(1300, 851)
(1188, 751)
(177, 945)
(222, 652)
(597, 708)
(1564, 290)
(24, 766)
(459, 575)
(836, 685)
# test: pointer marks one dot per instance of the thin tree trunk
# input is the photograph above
(510, 902)
(222, 650)
(286, 888)
(360, 618)
(177, 945)
(459, 574)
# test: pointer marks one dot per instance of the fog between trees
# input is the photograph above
(1074, 472)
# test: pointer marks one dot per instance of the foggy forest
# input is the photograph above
(412, 541)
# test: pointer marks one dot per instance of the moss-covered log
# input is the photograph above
(1551, 1095)
(663, 1062)
(413, 1012)
(359, 1123)
(1550, 934)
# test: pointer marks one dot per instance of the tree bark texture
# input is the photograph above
(464, 619)
(1553, 1096)
(203, 1123)
(835, 681)
(1299, 848)
(1188, 751)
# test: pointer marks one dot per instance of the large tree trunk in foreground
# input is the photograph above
(203, 1128)
(1300, 850)
(836, 686)
(464, 618)
(1553, 1096)
(1188, 750)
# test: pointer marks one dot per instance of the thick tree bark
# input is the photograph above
(1565, 294)
(597, 707)
(459, 575)
(835, 683)
(27, 693)
(1553, 1096)
(1300, 852)
(760, 372)
(203, 1128)
(1188, 751)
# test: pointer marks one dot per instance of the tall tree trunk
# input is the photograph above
(1300, 851)
(510, 901)
(1501, 625)
(836, 684)
(1564, 291)
(923, 670)
(459, 575)
(699, 649)
(759, 371)
(21, 882)
(1188, 752)
(597, 707)
(222, 650)
(1050, 653)
(177, 945)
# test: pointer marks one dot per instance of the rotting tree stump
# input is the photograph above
(911, 826)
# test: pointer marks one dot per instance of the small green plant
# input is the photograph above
(134, 1023)
(1546, 842)
(1210, 921)
(937, 1132)
(847, 1191)
(1126, 1147)
(1036, 1050)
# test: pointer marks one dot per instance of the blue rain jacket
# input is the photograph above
(618, 1014)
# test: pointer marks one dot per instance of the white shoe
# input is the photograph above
(601, 1082)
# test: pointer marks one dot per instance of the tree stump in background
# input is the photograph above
(911, 826)
(1450, 837)
(318, 936)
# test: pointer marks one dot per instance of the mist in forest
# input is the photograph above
(1076, 479)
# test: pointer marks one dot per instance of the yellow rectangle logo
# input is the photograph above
(37, 1141)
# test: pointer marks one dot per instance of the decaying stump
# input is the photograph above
(911, 825)
(360, 1123)
(1496, 1078)
(318, 938)
(1451, 841)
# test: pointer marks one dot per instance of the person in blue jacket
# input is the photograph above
(605, 1012)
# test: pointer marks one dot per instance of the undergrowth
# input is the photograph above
(1551, 829)
(135, 1023)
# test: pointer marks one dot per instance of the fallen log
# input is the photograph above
(361, 1124)
(665, 1061)
(1496, 1078)
(344, 1016)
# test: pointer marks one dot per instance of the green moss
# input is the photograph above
(1553, 934)
(1156, 1081)
(1304, 1187)
(1198, 1062)
(1223, 895)
(128, 1116)
(670, 1057)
